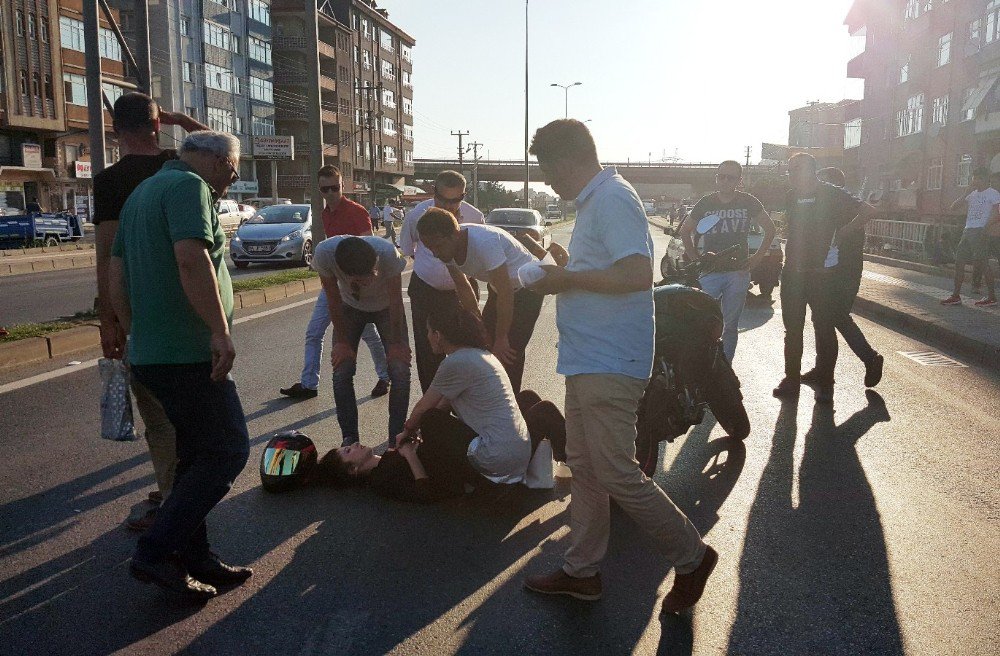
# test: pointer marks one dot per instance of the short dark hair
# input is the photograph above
(566, 138)
(981, 172)
(355, 256)
(803, 157)
(450, 179)
(437, 222)
(459, 326)
(331, 470)
(833, 175)
(328, 171)
(732, 162)
(135, 112)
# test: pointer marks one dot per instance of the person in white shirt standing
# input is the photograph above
(431, 287)
(390, 214)
(491, 255)
(981, 206)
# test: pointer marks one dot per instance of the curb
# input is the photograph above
(79, 338)
(16, 267)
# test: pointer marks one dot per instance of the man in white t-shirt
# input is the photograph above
(390, 214)
(362, 278)
(493, 256)
(431, 286)
(981, 207)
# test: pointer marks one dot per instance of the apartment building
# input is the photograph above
(931, 111)
(823, 129)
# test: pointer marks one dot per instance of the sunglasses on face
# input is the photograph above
(326, 189)
(449, 201)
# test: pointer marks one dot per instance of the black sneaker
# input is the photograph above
(381, 389)
(873, 370)
(142, 523)
(213, 571)
(788, 388)
(297, 391)
(171, 577)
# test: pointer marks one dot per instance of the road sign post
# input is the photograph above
(274, 147)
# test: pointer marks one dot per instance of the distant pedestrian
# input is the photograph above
(604, 313)
(730, 213)
(391, 214)
(490, 255)
(431, 287)
(819, 217)
(169, 282)
(137, 122)
(981, 209)
(362, 280)
(341, 216)
(845, 282)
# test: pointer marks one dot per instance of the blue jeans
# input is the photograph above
(343, 378)
(316, 333)
(730, 288)
(212, 449)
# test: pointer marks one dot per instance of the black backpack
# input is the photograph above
(287, 461)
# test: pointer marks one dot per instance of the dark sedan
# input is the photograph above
(518, 221)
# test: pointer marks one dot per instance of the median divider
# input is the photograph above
(78, 338)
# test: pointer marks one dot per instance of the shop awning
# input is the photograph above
(979, 95)
(25, 174)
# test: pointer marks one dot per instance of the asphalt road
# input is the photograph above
(857, 530)
(49, 295)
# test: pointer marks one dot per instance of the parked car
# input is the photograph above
(278, 233)
(259, 202)
(649, 206)
(230, 214)
(553, 213)
(518, 221)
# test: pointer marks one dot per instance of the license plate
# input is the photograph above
(258, 249)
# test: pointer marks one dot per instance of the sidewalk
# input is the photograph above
(911, 302)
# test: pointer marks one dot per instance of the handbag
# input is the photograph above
(116, 401)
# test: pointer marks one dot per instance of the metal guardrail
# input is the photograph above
(907, 236)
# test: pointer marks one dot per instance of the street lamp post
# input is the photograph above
(566, 88)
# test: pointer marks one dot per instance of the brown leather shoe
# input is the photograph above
(143, 522)
(587, 588)
(688, 588)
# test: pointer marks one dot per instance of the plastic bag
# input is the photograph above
(539, 474)
(531, 272)
(116, 402)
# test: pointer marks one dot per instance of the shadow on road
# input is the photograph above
(814, 576)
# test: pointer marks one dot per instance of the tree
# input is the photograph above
(493, 195)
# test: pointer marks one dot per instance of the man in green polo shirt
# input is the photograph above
(170, 287)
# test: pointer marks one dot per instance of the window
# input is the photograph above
(43, 29)
(388, 98)
(345, 107)
(36, 84)
(408, 156)
(407, 106)
(71, 33)
(259, 49)
(940, 110)
(357, 54)
(975, 35)
(188, 72)
(408, 132)
(221, 79)
(944, 49)
(388, 126)
(108, 45)
(358, 149)
(19, 22)
(48, 86)
(389, 155)
(366, 29)
(366, 58)
(357, 117)
(261, 89)
(76, 89)
(406, 80)
(239, 125)
(913, 8)
(217, 35)
(904, 72)
(935, 173)
(910, 120)
(192, 112)
(388, 70)
(407, 52)
(236, 44)
(385, 40)
(992, 21)
(345, 75)
(113, 92)
(260, 12)
(185, 25)
(23, 79)
(963, 177)
(970, 114)
(32, 25)
(262, 126)
(852, 134)
(220, 119)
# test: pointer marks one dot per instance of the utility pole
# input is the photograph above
(748, 155)
(475, 172)
(315, 124)
(461, 151)
(746, 178)
(95, 94)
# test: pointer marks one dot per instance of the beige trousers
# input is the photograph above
(600, 449)
(160, 437)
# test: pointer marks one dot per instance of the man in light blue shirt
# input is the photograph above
(604, 312)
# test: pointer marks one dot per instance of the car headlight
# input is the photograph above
(292, 235)
(236, 238)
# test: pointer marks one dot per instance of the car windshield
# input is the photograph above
(511, 217)
(281, 214)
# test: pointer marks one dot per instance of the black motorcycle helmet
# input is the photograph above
(287, 461)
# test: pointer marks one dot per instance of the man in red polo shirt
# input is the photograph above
(341, 216)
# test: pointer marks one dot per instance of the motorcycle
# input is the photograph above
(690, 372)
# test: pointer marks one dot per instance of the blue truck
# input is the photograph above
(38, 228)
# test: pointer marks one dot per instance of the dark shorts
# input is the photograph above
(974, 245)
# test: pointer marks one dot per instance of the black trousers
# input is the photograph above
(424, 301)
(845, 283)
(814, 289)
(527, 306)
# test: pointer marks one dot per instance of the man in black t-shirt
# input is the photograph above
(137, 120)
(819, 216)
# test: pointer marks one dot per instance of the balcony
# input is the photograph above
(293, 78)
(326, 50)
(292, 42)
(856, 67)
(286, 113)
(331, 150)
(327, 83)
(329, 116)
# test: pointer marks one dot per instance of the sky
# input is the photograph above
(699, 80)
